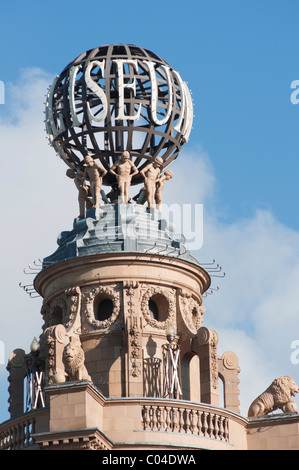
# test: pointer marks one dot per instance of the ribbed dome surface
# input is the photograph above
(120, 228)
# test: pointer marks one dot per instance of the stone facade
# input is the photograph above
(124, 360)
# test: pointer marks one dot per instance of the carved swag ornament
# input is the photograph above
(88, 299)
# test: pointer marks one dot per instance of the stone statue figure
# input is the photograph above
(160, 185)
(83, 191)
(151, 174)
(122, 171)
(277, 396)
(73, 359)
(95, 174)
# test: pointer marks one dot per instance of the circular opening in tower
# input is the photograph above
(158, 307)
(57, 315)
(153, 308)
(103, 308)
(194, 316)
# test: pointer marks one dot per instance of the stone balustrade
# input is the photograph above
(185, 419)
(17, 433)
(102, 422)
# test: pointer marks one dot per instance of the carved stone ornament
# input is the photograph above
(136, 368)
(73, 359)
(88, 298)
(277, 396)
(209, 338)
(56, 332)
(191, 310)
(134, 346)
(55, 338)
(230, 360)
(168, 295)
(73, 296)
(17, 358)
(68, 303)
(61, 303)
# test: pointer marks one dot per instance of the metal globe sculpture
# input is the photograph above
(115, 98)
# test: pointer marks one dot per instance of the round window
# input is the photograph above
(158, 307)
(103, 308)
(153, 308)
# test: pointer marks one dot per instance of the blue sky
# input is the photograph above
(239, 59)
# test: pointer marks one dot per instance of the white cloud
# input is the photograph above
(255, 311)
(193, 178)
(255, 375)
(34, 203)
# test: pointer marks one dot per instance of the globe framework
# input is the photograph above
(115, 98)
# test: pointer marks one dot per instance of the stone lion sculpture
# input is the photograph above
(277, 396)
(73, 359)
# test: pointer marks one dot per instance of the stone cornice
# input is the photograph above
(81, 266)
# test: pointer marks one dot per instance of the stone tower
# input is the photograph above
(124, 360)
(123, 346)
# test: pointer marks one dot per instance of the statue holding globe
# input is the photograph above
(94, 173)
(83, 192)
(129, 109)
(160, 185)
(151, 174)
(122, 171)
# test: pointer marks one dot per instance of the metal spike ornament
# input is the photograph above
(117, 98)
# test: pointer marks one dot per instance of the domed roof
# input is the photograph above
(118, 228)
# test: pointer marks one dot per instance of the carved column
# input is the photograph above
(205, 345)
(229, 369)
(17, 372)
(73, 320)
(135, 369)
(134, 373)
(56, 339)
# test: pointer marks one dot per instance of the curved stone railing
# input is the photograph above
(17, 433)
(143, 421)
(185, 419)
